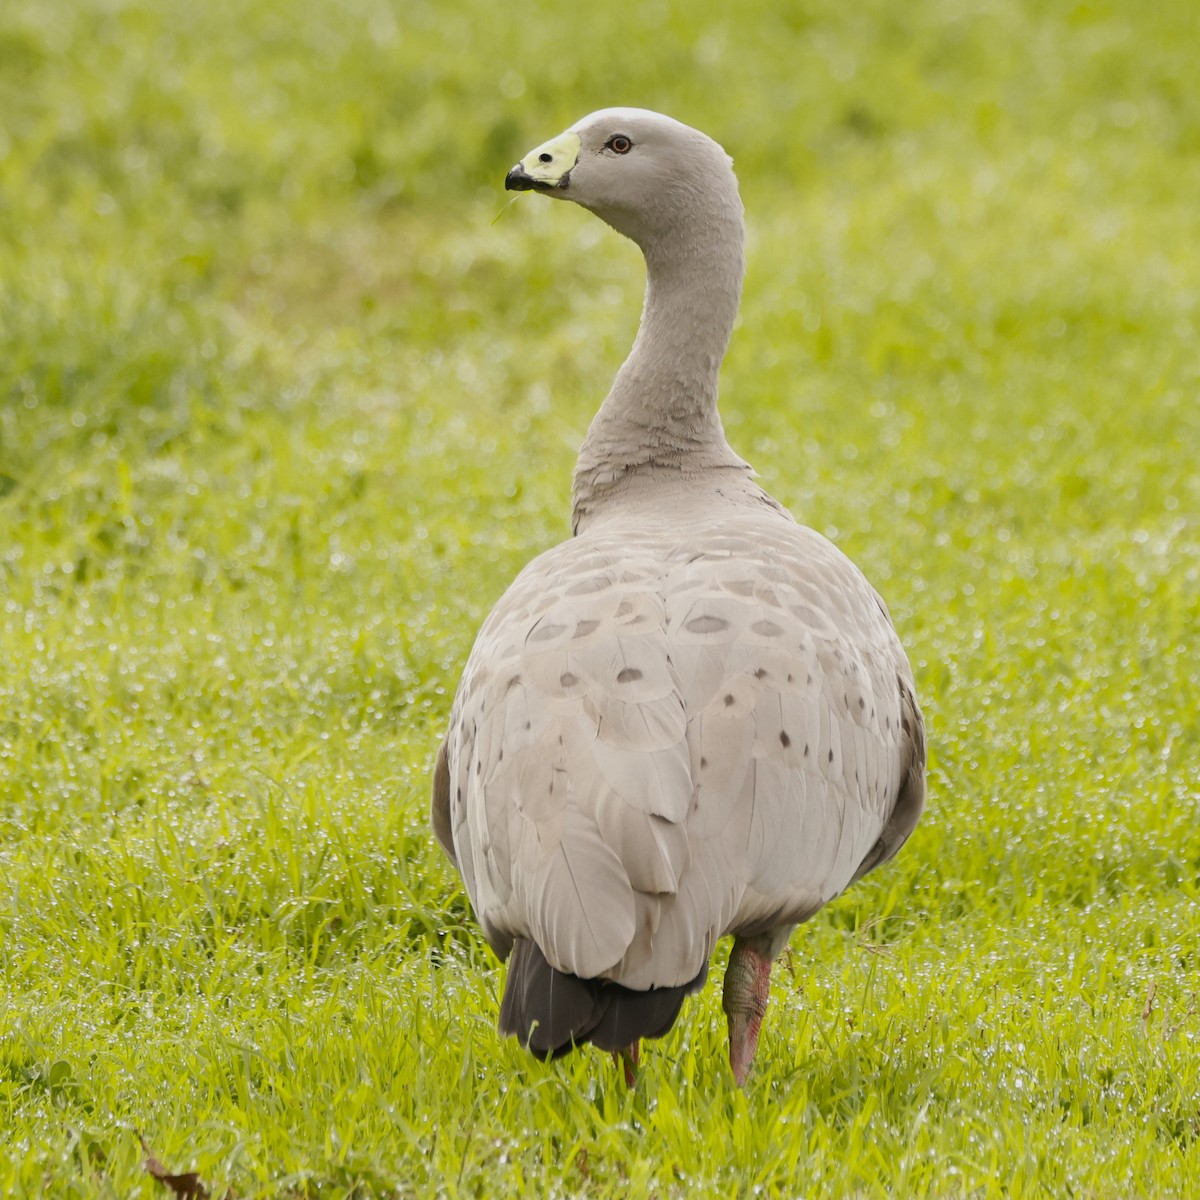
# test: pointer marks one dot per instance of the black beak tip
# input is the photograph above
(519, 180)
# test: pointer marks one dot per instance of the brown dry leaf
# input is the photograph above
(186, 1186)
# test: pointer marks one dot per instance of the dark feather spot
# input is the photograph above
(785, 741)
(761, 673)
(728, 699)
(767, 628)
(629, 675)
(568, 679)
(703, 762)
(583, 628)
(706, 624)
(831, 754)
(512, 683)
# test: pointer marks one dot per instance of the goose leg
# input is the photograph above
(747, 989)
(629, 1058)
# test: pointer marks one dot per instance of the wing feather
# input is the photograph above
(653, 745)
(578, 900)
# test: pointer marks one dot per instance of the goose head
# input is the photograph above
(639, 171)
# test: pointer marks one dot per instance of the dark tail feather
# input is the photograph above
(551, 1012)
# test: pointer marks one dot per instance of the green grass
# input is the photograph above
(281, 414)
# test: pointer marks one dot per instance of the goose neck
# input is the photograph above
(661, 412)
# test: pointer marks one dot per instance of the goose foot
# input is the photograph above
(629, 1058)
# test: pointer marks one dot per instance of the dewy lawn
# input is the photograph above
(282, 412)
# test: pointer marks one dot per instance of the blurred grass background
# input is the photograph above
(282, 411)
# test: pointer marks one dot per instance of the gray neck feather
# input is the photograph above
(661, 414)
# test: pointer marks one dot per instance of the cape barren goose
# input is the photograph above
(694, 718)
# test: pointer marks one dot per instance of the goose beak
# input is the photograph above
(546, 169)
(519, 180)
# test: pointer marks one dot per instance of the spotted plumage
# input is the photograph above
(692, 719)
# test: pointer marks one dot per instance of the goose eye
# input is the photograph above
(619, 144)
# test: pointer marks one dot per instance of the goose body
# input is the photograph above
(694, 718)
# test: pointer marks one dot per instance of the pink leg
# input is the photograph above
(629, 1059)
(747, 988)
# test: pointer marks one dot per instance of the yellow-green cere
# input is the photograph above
(549, 162)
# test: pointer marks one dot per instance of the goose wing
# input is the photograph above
(653, 745)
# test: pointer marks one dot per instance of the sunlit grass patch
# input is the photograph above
(282, 411)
